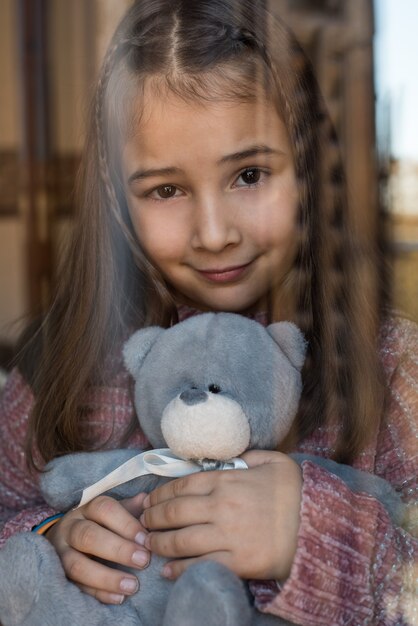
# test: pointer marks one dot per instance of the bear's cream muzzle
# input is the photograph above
(212, 427)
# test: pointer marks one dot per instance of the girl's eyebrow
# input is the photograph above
(234, 156)
(249, 152)
(163, 171)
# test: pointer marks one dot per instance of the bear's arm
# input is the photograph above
(65, 477)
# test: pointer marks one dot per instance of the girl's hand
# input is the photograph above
(246, 519)
(107, 529)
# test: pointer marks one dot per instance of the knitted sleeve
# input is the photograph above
(352, 566)
(21, 504)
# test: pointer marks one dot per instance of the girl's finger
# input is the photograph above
(185, 542)
(174, 569)
(200, 484)
(177, 513)
(85, 572)
(134, 505)
(90, 538)
(103, 596)
(253, 458)
(113, 515)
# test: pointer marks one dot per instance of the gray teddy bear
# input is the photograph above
(208, 388)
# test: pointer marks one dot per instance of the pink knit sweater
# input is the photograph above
(352, 566)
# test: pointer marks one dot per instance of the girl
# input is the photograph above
(211, 181)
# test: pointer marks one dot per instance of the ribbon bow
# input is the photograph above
(162, 462)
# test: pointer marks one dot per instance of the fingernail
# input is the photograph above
(140, 558)
(129, 585)
(145, 503)
(116, 598)
(167, 572)
(140, 538)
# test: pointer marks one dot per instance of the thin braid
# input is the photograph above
(301, 137)
(102, 152)
(154, 276)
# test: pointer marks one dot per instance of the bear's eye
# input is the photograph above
(214, 389)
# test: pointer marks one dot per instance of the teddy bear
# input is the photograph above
(208, 389)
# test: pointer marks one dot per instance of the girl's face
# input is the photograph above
(212, 195)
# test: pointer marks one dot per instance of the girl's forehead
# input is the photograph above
(166, 114)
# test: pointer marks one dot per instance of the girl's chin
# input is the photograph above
(243, 308)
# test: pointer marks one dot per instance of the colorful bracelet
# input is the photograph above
(40, 529)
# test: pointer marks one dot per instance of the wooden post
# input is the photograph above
(35, 150)
(359, 132)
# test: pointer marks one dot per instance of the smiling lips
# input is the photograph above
(225, 275)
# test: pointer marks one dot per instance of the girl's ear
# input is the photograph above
(290, 340)
(137, 347)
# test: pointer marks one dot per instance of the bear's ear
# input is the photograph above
(137, 347)
(290, 340)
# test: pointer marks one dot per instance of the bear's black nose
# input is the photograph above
(193, 396)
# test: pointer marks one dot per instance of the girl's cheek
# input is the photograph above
(278, 224)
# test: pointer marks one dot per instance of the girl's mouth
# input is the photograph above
(226, 274)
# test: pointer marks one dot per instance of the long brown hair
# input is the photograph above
(205, 50)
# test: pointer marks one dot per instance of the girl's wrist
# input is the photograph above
(46, 524)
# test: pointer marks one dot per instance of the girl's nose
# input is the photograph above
(216, 225)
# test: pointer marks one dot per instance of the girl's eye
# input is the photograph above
(164, 192)
(250, 176)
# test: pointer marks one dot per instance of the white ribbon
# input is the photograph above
(162, 462)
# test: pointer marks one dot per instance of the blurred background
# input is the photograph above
(365, 54)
